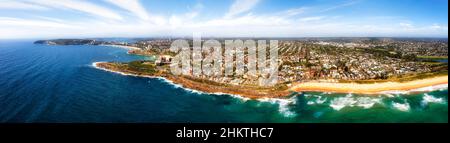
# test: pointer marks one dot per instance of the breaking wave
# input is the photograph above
(283, 105)
(439, 87)
(431, 99)
(317, 100)
(367, 102)
(402, 106)
(336, 103)
(350, 101)
(431, 88)
(175, 85)
(201, 92)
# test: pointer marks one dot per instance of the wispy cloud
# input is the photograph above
(195, 11)
(133, 6)
(314, 18)
(177, 20)
(81, 6)
(8, 4)
(293, 12)
(130, 18)
(406, 25)
(346, 4)
(439, 27)
(241, 6)
(17, 22)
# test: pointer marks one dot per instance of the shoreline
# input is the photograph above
(423, 85)
(125, 47)
(198, 87)
(415, 86)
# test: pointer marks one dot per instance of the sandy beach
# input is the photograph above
(370, 89)
(126, 47)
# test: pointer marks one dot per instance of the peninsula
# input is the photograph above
(349, 65)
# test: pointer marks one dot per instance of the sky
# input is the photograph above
(28, 19)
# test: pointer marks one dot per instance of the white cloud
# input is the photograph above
(11, 28)
(241, 6)
(349, 3)
(178, 20)
(438, 27)
(17, 22)
(245, 21)
(295, 22)
(195, 11)
(133, 6)
(80, 5)
(244, 26)
(20, 5)
(293, 12)
(314, 18)
(406, 25)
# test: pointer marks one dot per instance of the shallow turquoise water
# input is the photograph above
(40, 83)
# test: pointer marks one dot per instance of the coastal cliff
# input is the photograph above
(279, 91)
(252, 92)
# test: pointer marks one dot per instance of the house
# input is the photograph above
(163, 60)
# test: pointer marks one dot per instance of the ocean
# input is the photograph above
(58, 84)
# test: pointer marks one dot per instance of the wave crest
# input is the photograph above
(283, 105)
(431, 99)
(405, 107)
(350, 101)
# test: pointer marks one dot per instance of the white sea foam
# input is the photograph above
(401, 106)
(431, 99)
(201, 92)
(367, 102)
(440, 87)
(319, 101)
(389, 95)
(341, 102)
(350, 101)
(283, 105)
(121, 73)
(395, 92)
(232, 95)
(311, 103)
(307, 95)
(170, 82)
(431, 88)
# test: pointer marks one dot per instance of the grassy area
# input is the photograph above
(142, 66)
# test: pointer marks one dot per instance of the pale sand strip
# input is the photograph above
(375, 88)
(126, 47)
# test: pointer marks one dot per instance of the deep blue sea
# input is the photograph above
(40, 83)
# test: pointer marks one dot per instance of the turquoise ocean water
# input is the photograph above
(40, 83)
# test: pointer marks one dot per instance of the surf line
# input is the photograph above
(188, 133)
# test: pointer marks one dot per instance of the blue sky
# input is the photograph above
(218, 18)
